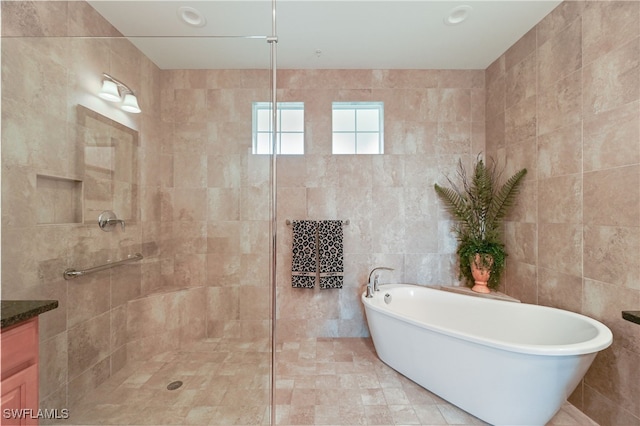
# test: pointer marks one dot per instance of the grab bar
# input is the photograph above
(72, 273)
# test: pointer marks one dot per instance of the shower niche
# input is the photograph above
(59, 200)
(107, 168)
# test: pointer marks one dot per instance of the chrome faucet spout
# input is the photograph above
(374, 284)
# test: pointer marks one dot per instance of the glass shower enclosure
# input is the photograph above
(186, 333)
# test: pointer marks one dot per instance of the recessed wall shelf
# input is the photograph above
(59, 200)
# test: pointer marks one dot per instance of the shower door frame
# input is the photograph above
(273, 42)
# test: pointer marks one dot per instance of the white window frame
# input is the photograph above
(282, 106)
(358, 106)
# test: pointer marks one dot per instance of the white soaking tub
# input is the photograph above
(506, 363)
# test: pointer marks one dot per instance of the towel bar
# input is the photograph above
(289, 222)
(72, 273)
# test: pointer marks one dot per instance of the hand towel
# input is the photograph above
(330, 254)
(304, 249)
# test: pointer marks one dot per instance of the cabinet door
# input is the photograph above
(19, 347)
(19, 401)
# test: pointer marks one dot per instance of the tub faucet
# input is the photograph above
(372, 284)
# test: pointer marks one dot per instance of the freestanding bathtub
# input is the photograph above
(506, 363)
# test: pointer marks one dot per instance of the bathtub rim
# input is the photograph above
(602, 340)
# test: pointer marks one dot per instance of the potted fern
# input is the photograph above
(479, 207)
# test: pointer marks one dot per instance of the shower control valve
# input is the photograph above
(108, 220)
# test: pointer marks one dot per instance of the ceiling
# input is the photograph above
(325, 34)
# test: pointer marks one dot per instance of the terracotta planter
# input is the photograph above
(481, 271)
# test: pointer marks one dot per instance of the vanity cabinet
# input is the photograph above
(19, 359)
(19, 373)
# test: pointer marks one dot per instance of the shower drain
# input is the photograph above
(174, 385)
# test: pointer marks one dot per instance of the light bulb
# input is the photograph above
(109, 91)
(130, 103)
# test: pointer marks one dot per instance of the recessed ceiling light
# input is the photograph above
(458, 15)
(191, 16)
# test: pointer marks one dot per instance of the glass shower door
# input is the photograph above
(185, 334)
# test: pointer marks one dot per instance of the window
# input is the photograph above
(358, 128)
(290, 126)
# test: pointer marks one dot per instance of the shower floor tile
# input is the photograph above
(226, 382)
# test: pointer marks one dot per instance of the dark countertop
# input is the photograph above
(17, 311)
(633, 316)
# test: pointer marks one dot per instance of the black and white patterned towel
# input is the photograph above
(304, 249)
(330, 254)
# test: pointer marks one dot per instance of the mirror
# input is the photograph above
(109, 158)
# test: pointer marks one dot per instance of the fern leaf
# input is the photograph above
(454, 202)
(459, 207)
(505, 198)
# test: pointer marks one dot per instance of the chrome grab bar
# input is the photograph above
(72, 273)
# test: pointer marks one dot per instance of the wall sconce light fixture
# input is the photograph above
(114, 90)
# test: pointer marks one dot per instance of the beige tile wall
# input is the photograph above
(564, 102)
(432, 118)
(220, 195)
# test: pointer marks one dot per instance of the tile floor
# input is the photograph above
(226, 382)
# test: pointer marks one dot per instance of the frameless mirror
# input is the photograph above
(108, 154)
